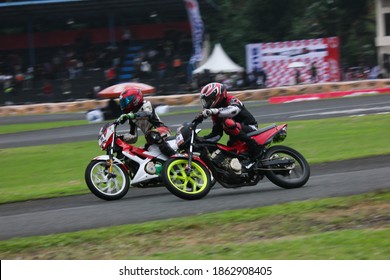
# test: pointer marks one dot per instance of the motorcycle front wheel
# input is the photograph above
(288, 177)
(194, 186)
(105, 185)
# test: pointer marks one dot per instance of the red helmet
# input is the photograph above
(131, 100)
(212, 95)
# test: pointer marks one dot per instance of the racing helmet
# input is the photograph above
(131, 100)
(212, 95)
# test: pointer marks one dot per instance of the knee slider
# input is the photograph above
(231, 127)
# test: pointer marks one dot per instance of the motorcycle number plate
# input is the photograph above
(179, 139)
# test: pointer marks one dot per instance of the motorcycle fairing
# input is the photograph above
(141, 157)
(262, 136)
(106, 136)
(268, 136)
(130, 149)
(107, 158)
(238, 147)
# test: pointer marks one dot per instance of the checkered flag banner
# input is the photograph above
(276, 59)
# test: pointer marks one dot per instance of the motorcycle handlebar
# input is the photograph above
(117, 122)
(198, 119)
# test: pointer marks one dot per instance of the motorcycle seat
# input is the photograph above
(261, 130)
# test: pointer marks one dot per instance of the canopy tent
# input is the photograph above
(116, 90)
(218, 62)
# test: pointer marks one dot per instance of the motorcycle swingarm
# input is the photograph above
(276, 161)
(219, 173)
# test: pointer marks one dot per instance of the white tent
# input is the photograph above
(219, 62)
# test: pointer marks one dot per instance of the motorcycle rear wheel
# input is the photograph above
(100, 184)
(194, 186)
(288, 178)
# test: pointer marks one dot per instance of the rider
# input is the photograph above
(141, 114)
(228, 114)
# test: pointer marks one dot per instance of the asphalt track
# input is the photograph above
(74, 213)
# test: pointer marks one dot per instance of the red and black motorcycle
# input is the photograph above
(188, 174)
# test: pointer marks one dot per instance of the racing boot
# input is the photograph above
(255, 150)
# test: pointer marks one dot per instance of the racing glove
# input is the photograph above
(208, 112)
(124, 117)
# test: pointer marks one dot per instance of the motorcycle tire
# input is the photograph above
(96, 177)
(189, 187)
(289, 178)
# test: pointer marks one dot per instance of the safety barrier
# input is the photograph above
(188, 99)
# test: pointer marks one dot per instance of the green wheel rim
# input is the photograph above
(195, 183)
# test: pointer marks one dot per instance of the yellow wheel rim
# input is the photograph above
(193, 183)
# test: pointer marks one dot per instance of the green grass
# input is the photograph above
(58, 170)
(340, 138)
(12, 128)
(353, 228)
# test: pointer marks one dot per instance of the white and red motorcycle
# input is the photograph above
(110, 176)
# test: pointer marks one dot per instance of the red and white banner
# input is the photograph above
(275, 58)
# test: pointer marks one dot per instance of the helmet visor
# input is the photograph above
(208, 100)
(124, 103)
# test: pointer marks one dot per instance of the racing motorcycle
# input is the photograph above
(187, 174)
(110, 176)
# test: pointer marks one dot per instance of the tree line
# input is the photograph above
(235, 23)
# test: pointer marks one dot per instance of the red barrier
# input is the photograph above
(334, 94)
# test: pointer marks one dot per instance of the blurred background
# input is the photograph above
(61, 50)
(53, 51)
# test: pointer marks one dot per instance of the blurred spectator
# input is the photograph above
(101, 60)
(168, 48)
(205, 78)
(176, 64)
(146, 69)
(241, 81)
(227, 81)
(313, 72)
(126, 37)
(92, 94)
(66, 87)
(72, 69)
(261, 78)
(110, 76)
(374, 72)
(252, 79)
(47, 89)
(58, 63)
(48, 70)
(19, 80)
(219, 77)
(79, 68)
(297, 76)
(29, 76)
(152, 54)
(162, 68)
(6, 81)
